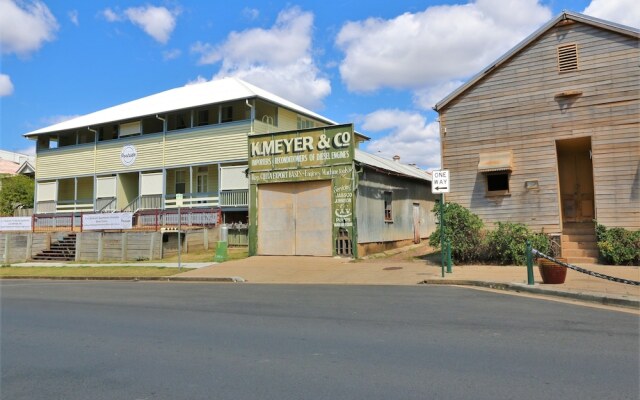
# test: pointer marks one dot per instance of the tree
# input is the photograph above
(16, 191)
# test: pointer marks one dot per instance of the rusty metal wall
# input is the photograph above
(372, 226)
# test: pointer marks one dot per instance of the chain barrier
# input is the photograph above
(586, 271)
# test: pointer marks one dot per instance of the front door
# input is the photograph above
(202, 179)
(416, 223)
(576, 179)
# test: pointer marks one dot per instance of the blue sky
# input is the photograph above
(380, 64)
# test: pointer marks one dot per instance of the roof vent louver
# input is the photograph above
(568, 58)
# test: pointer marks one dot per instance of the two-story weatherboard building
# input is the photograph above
(194, 141)
(138, 155)
(549, 134)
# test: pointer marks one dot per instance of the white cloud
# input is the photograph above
(157, 22)
(171, 54)
(409, 135)
(626, 12)
(6, 86)
(25, 26)
(56, 119)
(73, 17)
(199, 79)
(435, 46)
(111, 15)
(250, 13)
(426, 98)
(278, 59)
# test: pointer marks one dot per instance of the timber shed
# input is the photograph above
(549, 134)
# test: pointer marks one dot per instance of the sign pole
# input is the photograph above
(440, 185)
(179, 202)
(179, 239)
(442, 249)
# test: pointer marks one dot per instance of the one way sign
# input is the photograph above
(440, 181)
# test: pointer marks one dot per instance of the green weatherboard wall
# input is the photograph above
(306, 155)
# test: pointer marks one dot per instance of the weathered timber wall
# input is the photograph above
(515, 107)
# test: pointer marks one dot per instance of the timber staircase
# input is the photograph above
(579, 243)
(62, 250)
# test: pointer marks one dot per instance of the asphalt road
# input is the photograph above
(127, 340)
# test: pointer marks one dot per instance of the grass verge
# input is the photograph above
(80, 271)
(235, 253)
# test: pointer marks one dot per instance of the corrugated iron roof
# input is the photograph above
(8, 167)
(221, 90)
(391, 166)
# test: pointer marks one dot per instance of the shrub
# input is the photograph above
(507, 244)
(16, 191)
(618, 246)
(463, 229)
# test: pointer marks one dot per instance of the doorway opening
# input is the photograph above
(575, 173)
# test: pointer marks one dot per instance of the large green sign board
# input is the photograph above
(301, 149)
(307, 155)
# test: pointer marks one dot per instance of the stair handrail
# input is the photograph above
(133, 206)
(109, 204)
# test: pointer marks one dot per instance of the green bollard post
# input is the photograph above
(448, 256)
(221, 252)
(529, 264)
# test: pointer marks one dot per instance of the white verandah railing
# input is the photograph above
(224, 198)
(234, 198)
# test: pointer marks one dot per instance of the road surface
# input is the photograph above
(144, 340)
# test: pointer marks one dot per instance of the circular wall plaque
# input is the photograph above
(128, 155)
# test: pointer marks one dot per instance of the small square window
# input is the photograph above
(203, 117)
(226, 114)
(497, 184)
(388, 210)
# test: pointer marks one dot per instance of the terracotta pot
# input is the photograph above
(551, 272)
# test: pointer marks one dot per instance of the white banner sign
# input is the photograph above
(15, 224)
(95, 222)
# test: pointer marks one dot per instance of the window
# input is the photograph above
(68, 139)
(130, 128)
(152, 125)
(86, 136)
(201, 179)
(304, 123)
(226, 114)
(181, 185)
(568, 58)
(108, 132)
(497, 184)
(388, 211)
(180, 120)
(202, 118)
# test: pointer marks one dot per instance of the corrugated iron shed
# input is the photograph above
(395, 167)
